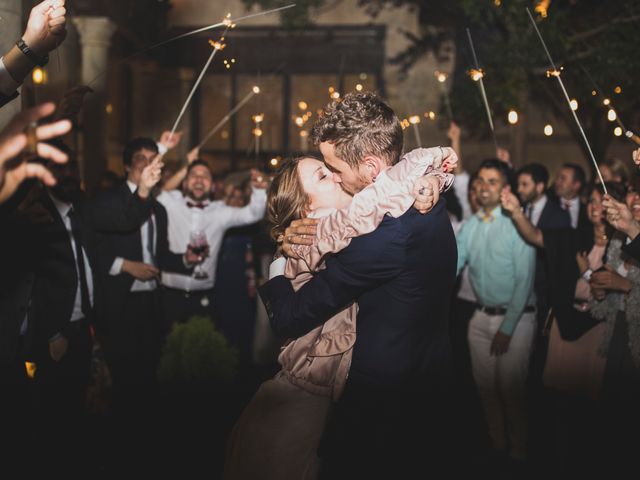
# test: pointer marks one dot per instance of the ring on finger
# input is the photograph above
(421, 191)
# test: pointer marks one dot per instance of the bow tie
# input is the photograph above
(196, 205)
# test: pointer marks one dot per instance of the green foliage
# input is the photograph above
(196, 355)
(593, 35)
(582, 35)
(297, 16)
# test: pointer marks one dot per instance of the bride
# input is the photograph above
(278, 433)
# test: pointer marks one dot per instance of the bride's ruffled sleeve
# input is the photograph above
(391, 194)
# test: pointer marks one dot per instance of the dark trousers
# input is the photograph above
(60, 391)
(132, 350)
(61, 386)
(387, 433)
(178, 306)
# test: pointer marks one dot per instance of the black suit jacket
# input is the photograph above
(118, 216)
(48, 280)
(633, 249)
(553, 217)
(402, 276)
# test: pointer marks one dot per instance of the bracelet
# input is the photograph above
(31, 55)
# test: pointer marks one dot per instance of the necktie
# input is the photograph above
(82, 274)
(195, 205)
(566, 204)
(528, 211)
(150, 235)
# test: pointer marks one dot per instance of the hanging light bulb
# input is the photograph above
(512, 117)
(611, 115)
(617, 132)
(548, 130)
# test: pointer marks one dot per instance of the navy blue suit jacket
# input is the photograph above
(401, 275)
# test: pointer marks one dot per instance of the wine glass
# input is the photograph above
(198, 244)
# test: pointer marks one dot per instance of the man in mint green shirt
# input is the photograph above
(501, 331)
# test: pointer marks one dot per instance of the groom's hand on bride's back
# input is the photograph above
(300, 232)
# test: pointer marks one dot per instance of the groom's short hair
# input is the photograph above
(358, 125)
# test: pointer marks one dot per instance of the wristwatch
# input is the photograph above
(587, 274)
(31, 55)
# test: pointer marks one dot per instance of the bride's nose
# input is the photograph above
(336, 178)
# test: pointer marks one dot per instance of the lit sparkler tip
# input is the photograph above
(553, 73)
(476, 74)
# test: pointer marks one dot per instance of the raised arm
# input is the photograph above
(529, 232)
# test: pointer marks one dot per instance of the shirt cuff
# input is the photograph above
(277, 267)
(162, 149)
(116, 267)
(7, 84)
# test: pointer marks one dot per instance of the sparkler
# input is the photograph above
(415, 120)
(556, 73)
(442, 78)
(227, 117)
(477, 75)
(216, 47)
(607, 103)
(227, 22)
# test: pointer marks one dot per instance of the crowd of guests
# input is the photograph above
(555, 367)
(544, 323)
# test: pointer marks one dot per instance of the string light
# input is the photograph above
(256, 89)
(414, 119)
(548, 130)
(611, 115)
(574, 104)
(299, 121)
(617, 131)
(39, 76)
(302, 105)
(441, 76)
(274, 161)
(606, 102)
(594, 93)
(618, 89)
(359, 87)
(109, 109)
(512, 117)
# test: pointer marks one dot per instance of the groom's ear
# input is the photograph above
(372, 165)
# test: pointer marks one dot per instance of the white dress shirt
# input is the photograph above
(214, 219)
(116, 267)
(574, 210)
(7, 84)
(537, 208)
(63, 209)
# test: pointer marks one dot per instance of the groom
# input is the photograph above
(402, 276)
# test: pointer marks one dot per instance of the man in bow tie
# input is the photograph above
(194, 218)
(501, 331)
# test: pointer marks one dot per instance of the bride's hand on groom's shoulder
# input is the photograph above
(300, 232)
(426, 192)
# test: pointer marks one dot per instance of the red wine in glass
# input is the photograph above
(198, 244)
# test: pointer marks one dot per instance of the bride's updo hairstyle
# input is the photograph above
(286, 199)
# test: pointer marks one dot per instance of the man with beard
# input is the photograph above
(193, 218)
(545, 213)
(502, 329)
